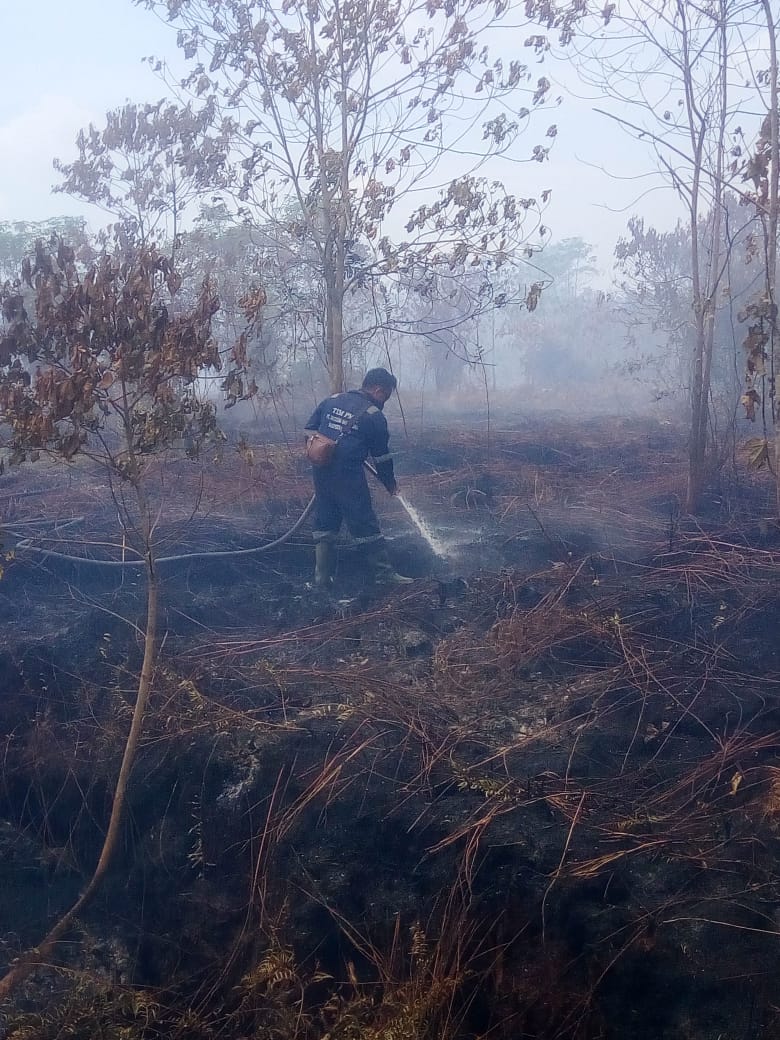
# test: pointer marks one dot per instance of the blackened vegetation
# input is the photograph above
(543, 801)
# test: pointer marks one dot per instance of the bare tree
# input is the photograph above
(762, 170)
(353, 108)
(134, 168)
(669, 62)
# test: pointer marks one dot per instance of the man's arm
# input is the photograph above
(378, 442)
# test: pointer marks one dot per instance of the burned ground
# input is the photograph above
(534, 794)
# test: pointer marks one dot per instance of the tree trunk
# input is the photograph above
(46, 949)
(705, 274)
(771, 237)
(336, 366)
(698, 435)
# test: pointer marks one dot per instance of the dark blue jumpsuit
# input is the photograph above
(341, 487)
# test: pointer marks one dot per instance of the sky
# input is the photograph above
(65, 65)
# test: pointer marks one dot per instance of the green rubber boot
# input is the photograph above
(324, 564)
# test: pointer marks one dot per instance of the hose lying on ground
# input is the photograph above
(25, 545)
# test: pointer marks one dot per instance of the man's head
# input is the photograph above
(379, 384)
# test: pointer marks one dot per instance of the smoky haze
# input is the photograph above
(565, 329)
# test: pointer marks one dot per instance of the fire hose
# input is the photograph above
(25, 544)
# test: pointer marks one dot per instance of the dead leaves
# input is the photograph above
(533, 295)
(756, 452)
(761, 311)
(101, 344)
(750, 401)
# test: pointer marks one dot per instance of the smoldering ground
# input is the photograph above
(543, 803)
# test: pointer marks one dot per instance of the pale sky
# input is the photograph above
(65, 64)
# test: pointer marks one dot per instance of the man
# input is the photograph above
(355, 422)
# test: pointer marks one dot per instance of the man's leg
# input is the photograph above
(358, 509)
(327, 521)
(324, 563)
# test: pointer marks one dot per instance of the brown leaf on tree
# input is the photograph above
(92, 329)
(533, 295)
(749, 401)
(756, 452)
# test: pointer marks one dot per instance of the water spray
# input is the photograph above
(438, 548)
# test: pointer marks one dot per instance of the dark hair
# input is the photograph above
(380, 377)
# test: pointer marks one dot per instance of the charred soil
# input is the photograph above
(535, 794)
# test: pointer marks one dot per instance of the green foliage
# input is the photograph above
(18, 238)
(569, 264)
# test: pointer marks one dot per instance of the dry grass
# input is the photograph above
(613, 732)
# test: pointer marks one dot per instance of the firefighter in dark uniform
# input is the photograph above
(354, 420)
